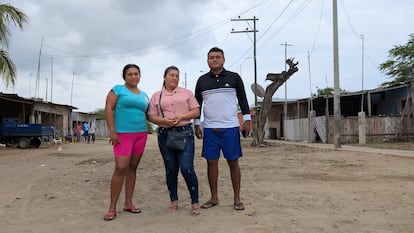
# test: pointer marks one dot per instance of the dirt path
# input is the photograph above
(285, 188)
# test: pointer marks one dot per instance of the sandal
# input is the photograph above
(208, 205)
(132, 209)
(172, 208)
(195, 211)
(109, 216)
(238, 206)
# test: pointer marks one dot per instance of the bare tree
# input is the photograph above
(261, 115)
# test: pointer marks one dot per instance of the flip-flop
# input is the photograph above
(172, 208)
(109, 216)
(195, 212)
(208, 205)
(238, 206)
(132, 209)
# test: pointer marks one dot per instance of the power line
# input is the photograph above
(248, 50)
(274, 21)
(287, 21)
(175, 42)
(349, 19)
(317, 30)
(357, 35)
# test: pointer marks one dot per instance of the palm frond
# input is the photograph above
(7, 68)
(10, 14)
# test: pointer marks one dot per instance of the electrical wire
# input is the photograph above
(163, 45)
(152, 48)
(317, 29)
(357, 35)
(274, 21)
(286, 22)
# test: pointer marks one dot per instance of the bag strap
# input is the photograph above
(159, 103)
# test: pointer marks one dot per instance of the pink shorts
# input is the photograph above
(130, 144)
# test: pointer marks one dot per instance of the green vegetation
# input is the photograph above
(326, 91)
(8, 14)
(400, 66)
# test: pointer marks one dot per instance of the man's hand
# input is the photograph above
(246, 128)
(198, 132)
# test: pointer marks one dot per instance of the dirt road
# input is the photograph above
(285, 188)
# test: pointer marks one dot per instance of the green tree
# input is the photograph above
(400, 66)
(8, 14)
(325, 91)
(100, 114)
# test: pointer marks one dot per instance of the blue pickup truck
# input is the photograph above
(25, 135)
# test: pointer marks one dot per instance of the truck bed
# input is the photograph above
(27, 130)
(24, 135)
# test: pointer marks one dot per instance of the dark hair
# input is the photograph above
(168, 69)
(126, 67)
(215, 49)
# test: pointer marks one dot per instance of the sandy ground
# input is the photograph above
(285, 188)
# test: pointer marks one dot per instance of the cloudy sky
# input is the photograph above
(87, 43)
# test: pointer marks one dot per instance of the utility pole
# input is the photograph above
(51, 79)
(337, 99)
(310, 83)
(30, 89)
(362, 73)
(361, 115)
(185, 79)
(71, 90)
(285, 104)
(254, 19)
(47, 86)
(37, 85)
(311, 115)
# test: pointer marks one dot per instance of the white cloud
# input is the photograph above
(95, 39)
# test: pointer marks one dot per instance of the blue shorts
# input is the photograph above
(225, 139)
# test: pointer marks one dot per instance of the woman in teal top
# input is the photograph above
(130, 104)
(125, 111)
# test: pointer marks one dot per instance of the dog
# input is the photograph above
(56, 141)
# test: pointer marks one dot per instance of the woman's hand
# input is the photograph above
(113, 138)
(170, 122)
(176, 120)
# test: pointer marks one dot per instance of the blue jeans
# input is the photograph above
(174, 160)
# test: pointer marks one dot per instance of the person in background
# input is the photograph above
(78, 132)
(91, 132)
(218, 93)
(85, 126)
(125, 111)
(172, 108)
